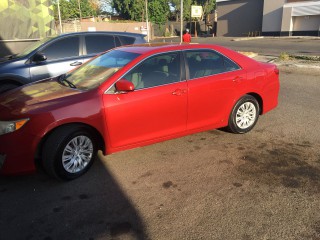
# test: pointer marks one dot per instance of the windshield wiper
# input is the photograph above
(63, 80)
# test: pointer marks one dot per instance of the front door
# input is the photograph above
(156, 108)
(62, 55)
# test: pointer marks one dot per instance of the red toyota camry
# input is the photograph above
(129, 97)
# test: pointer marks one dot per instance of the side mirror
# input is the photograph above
(124, 86)
(39, 57)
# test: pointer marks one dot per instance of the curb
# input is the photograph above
(246, 38)
(297, 65)
(275, 37)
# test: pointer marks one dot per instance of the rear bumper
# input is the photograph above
(271, 94)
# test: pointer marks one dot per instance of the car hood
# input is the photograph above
(35, 96)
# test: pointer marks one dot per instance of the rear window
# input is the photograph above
(99, 43)
(126, 40)
(230, 65)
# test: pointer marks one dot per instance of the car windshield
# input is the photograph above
(33, 46)
(96, 71)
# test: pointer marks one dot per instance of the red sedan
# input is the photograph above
(130, 97)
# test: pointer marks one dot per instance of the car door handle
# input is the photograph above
(76, 64)
(179, 92)
(237, 79)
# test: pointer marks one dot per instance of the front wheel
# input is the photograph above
(244, 115)
(69, 152)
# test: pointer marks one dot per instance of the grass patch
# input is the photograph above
(308, 58)
(284, 56)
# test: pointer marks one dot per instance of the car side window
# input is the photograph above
(156, 71)
(230, 65)
(204, 63)
(62, 48)
(99, 43)
(126, 40)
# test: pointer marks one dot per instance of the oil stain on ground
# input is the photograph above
(294, 166)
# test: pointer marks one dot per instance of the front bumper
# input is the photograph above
(2, 159)
(17, 151)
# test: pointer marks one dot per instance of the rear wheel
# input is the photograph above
(69, 152)
(244, 115)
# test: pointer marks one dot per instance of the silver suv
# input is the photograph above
(54, 56)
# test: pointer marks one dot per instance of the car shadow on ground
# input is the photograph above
(90, 207)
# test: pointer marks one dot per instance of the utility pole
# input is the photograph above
(79, 10)
(59, 17)
(148, 39)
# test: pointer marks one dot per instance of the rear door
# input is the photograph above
(95, 44)
(62, 55)
(213, 80)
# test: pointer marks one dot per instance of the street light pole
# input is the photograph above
(181, 19)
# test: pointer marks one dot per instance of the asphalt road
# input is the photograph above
(210, 185)
(265, 46)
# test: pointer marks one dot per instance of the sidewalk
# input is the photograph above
(292, 63)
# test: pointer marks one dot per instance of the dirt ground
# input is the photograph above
(210, 185)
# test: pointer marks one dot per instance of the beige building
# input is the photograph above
(291, 18)
(239, 17)
(268, 17)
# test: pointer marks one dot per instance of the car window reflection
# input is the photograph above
(95, 72)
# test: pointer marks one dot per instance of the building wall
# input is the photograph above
(306, 23)
(26, 19)
(239, 17)
(286, 26)
(272, 17)
(23, 22)
(291, 17)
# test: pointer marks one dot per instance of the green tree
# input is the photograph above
(207, 5)
(158, 11)
(130, 9)
(69, 9)
(177, 9)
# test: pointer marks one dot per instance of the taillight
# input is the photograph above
(276, 70)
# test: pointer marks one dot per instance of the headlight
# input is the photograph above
(11, 126)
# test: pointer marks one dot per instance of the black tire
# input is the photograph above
(4, 87)
(244, 115)
(55, 154)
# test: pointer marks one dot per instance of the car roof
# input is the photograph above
(103, 32)
(164, 47)
(153, 48)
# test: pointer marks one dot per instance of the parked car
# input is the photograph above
(54, 56)
(130, 97)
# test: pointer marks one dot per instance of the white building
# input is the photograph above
(268, 17)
